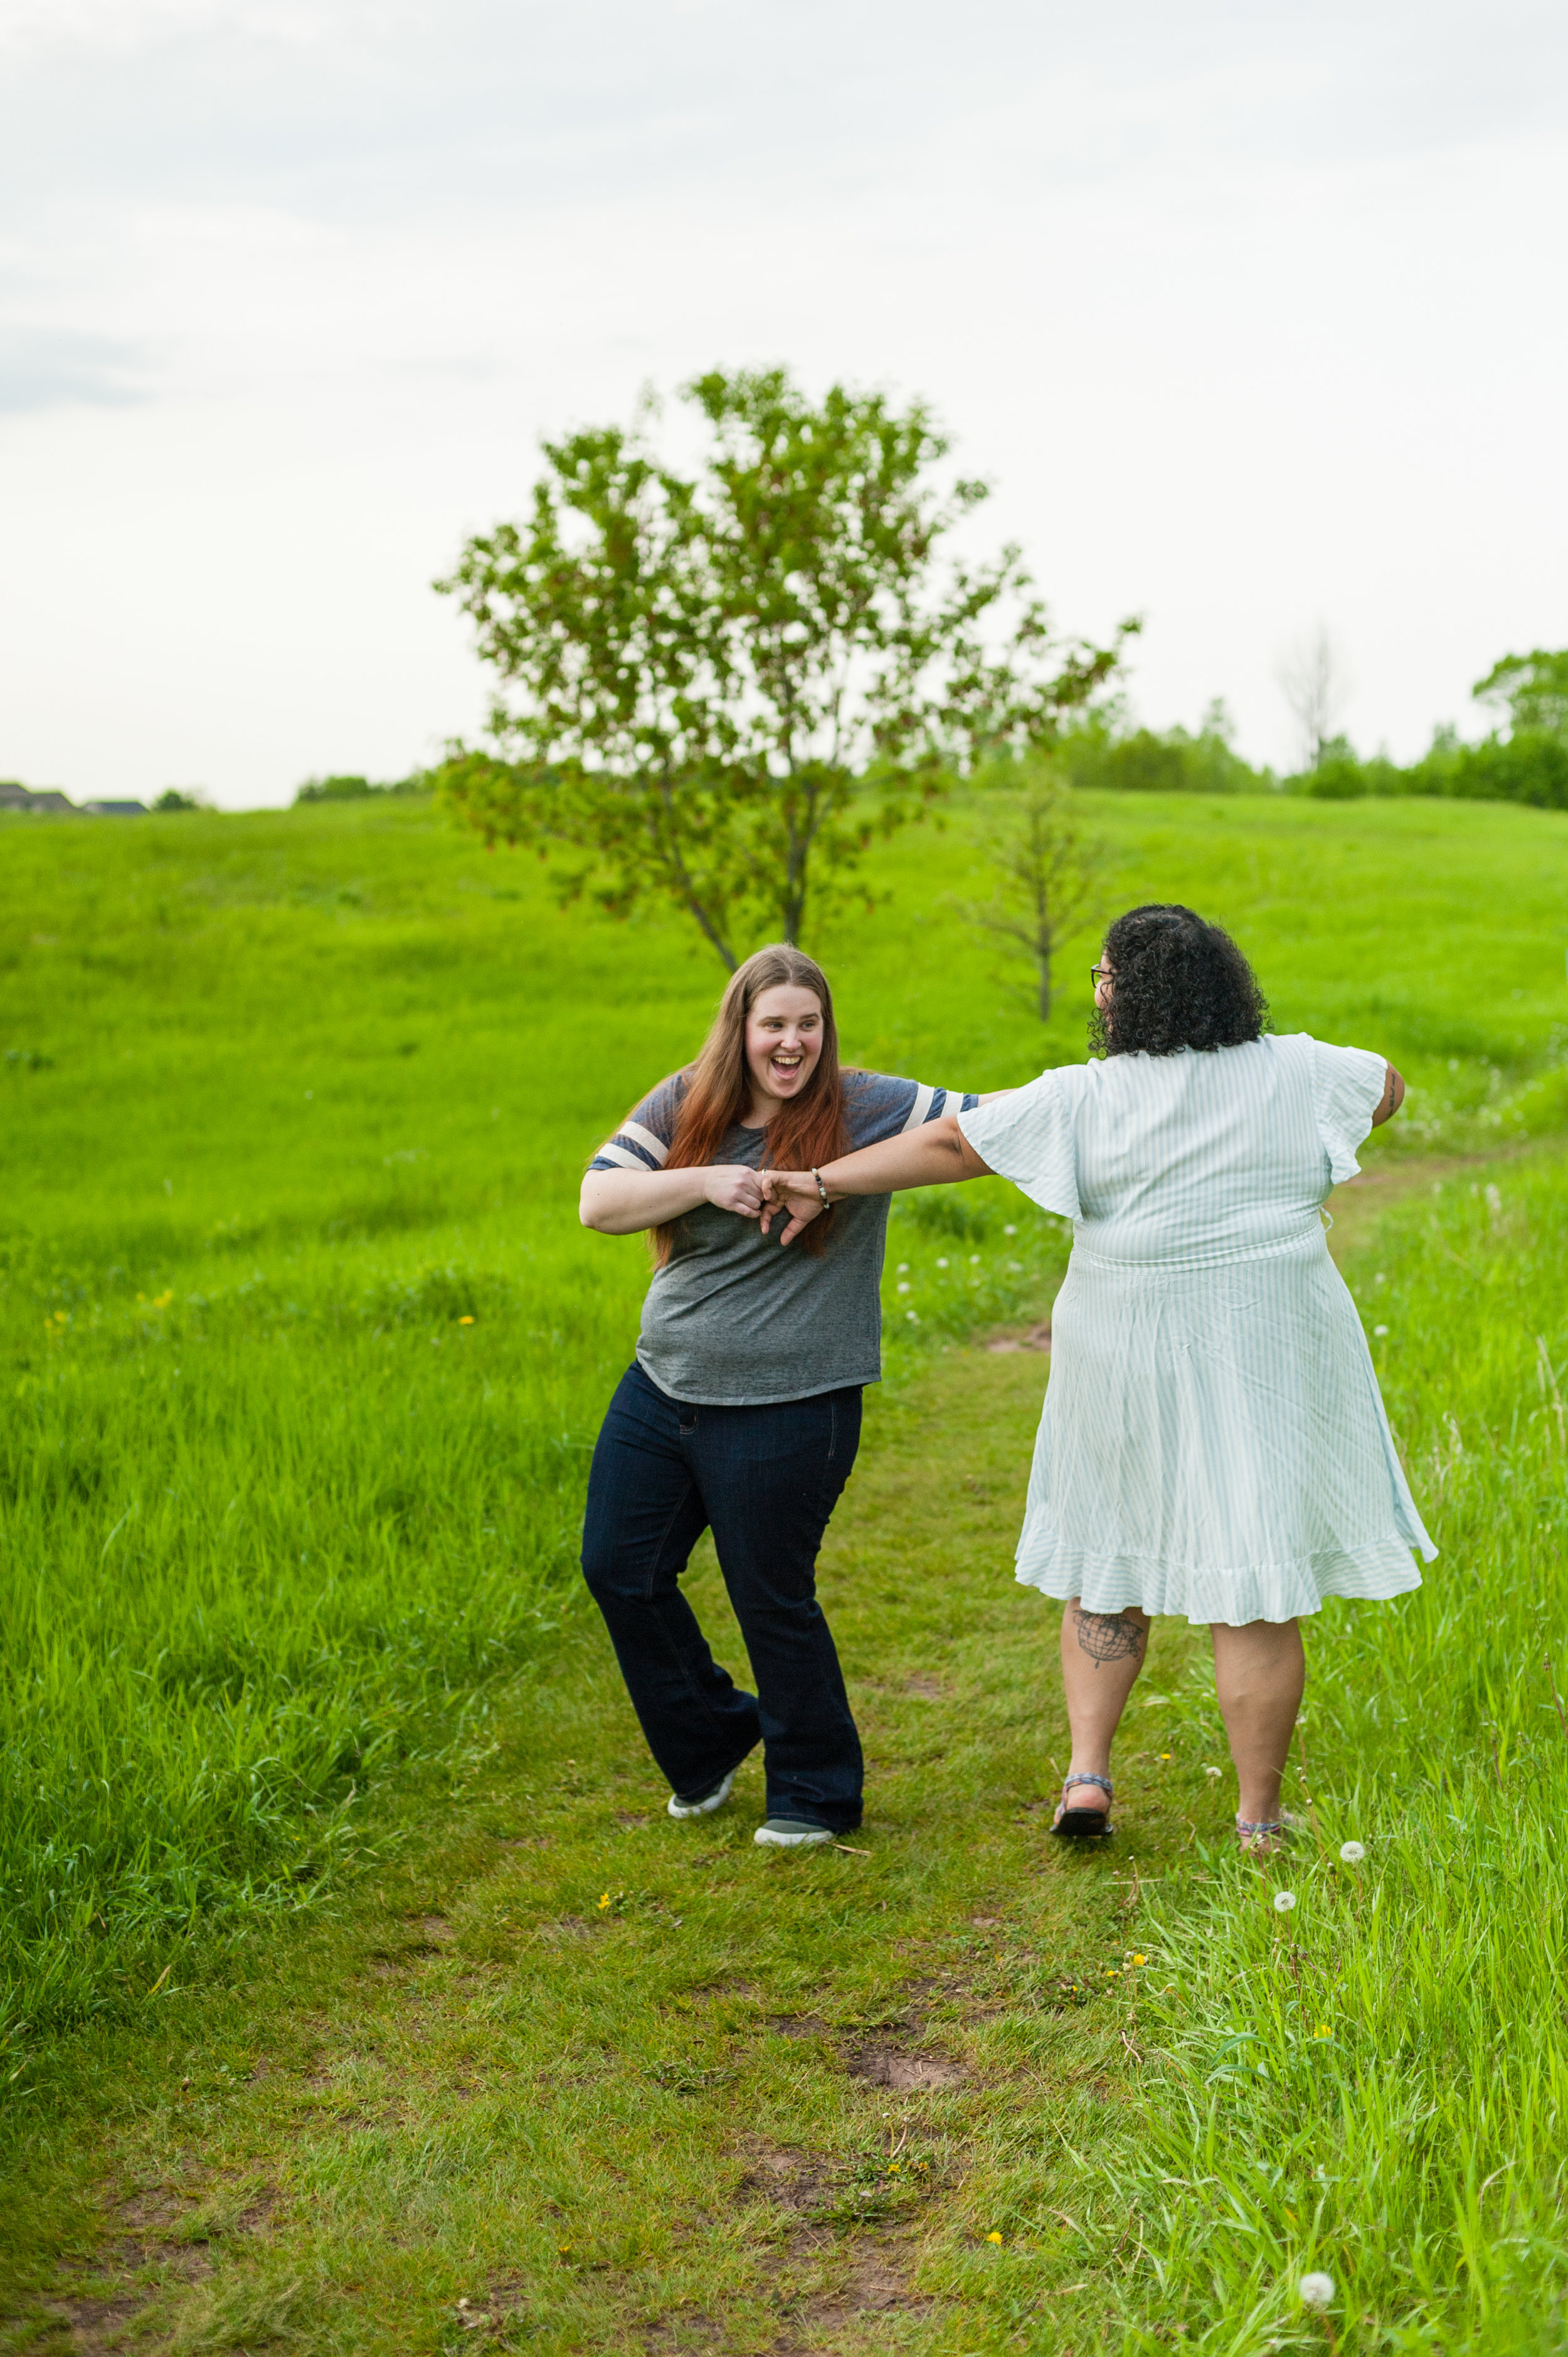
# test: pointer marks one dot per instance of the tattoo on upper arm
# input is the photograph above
(1107, 1637)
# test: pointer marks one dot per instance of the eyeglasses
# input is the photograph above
(1098, 974)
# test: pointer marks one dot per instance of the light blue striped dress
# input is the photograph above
(1214, 1442)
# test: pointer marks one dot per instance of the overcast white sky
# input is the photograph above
(1251, 309)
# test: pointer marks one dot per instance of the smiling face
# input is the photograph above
(783, 1041)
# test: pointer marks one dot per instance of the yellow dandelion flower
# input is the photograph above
(465, 1321)
(1140, 1960)
(605, 1900)
(994, 2236)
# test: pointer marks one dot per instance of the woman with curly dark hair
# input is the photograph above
(1214, 1443)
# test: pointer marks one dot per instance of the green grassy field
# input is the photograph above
(305, 1352)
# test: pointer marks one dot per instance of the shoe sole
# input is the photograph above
(812, 1840)
(716, 1800)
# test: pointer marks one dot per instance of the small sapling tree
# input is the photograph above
(1050, 875)
(717, 685)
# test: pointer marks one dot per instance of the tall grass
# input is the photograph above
(1373, 2083)
(286, 1101)
(262, 1541)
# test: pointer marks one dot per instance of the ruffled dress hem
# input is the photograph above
(1268, 1591)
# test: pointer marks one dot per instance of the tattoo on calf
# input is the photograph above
(1107, 1637)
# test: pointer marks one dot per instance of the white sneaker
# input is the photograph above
(707, 1804)
(789, 1833)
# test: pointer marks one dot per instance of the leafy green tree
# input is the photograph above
(1337, 775)
(717, 686)
(1533, 688)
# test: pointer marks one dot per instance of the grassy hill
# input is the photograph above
(306, 1349)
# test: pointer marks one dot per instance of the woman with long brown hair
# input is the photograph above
(741, 1411)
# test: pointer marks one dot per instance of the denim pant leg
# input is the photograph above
(770, 1478)
(645, 1513)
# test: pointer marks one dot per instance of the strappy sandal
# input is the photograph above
(1084, 1824)
(1263, 1837)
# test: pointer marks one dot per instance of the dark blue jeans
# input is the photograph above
(764, 1480)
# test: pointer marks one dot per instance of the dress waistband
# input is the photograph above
(1310, 1243)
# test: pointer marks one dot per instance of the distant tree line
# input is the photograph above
(1523, 760)
(356, 789)
(1101, 752)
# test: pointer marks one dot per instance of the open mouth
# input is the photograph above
(786, 1065)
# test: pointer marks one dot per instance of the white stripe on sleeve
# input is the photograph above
(648, 1137)
(621, 1156)
(920, 1110)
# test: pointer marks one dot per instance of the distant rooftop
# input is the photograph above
(48, 801)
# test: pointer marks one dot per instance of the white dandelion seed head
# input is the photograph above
(1352, 1852)
(942, 1263)
(975, 1260)
(904, 1289)
(903, 1268)
(1283, 1901)
(1010, 1232)
(1380, 1330)
(913, 1316)
(1317, 2290)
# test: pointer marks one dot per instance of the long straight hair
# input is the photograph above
(808, 1130)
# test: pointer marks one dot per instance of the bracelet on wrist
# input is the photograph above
(821, 1189)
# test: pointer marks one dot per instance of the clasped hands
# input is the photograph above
(762, 1195)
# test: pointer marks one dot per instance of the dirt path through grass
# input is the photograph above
(569, 2076)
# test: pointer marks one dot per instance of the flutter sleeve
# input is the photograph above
(1030, 1137)
(1347, 1086)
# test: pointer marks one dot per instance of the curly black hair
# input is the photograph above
(1179, 982)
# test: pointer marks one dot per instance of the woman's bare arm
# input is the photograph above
(933, 1156)
(624, 1202)
(1392, 1099)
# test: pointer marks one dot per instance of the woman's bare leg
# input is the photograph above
(1260, 1671)
(1102, 1653)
